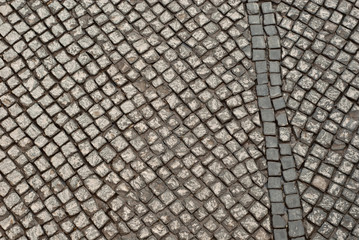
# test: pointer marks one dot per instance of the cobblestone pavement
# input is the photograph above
(320, 41)
(190, 119)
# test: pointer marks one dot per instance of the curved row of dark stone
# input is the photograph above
(286, 211)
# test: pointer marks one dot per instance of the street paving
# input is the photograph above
(190, 119)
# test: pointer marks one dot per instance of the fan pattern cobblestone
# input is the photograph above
(130, 120)
(320, 68)
(191, 119)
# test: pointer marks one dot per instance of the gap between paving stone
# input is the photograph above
(286, 210)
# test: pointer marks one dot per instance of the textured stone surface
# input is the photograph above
(320, 70)
(130, 120)
(179, 119)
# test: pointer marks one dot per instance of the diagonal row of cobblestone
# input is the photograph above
(130, 120)
(320, 42)
(191, 119)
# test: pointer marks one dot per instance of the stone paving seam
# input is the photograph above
(286, 207)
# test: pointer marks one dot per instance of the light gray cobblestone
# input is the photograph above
(318, 103)
(179, 119)
(131, 120)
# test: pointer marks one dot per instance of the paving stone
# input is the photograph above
(272, 154)
(278, 103)
(285, 149)
(275, 54)
(322, 177)
(274, 182)
(290, 175)
(278, 222)
(262, 90)
(280, 234)
(262, 78)
(254, 19)
(290, 188)
(264, 102)
(258, 42)
(276, 195)
(296, 228)
(267, 7)
(115, 115)
(270, 30)
(146, 105)
(269, 128)
(267, 115)
(287, 162)
(258, 55)
(256, 30)
(269, 19)
(252, 8)
(292, 201)
(274, 169)
(275, 79)
(295, 214)
(277, 208)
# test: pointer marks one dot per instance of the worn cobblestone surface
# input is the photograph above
(161, 119)
(320, 66)
(130, 120)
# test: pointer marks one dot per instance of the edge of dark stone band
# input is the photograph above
(286, 209)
